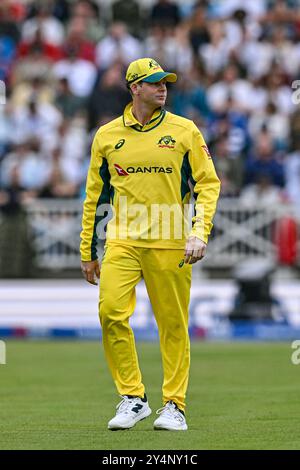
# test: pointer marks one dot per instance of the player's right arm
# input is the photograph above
(90, 271)
(97, 193)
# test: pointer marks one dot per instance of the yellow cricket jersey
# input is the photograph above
(146, 174)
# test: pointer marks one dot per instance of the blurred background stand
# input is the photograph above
(254, 300)
(16, 251)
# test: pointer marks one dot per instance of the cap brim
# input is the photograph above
(156, 77)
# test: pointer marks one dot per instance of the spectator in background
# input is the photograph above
(264, 161)
(295, 127)
(36, 60)
(39, 120)
(69, 104)
(276, 124)
(61, 10)
(171, 48)
(254, 54)
(278, 91)
(262, 192)
(26, 168)
(7, 54)
(292, 175)
(129, 13)
(6, 130)
(232, 122)
(285, 53)
(69, 152)
(77, 37)
(88, 13)
(52, 30)
(229, 168)
(165, 13)
(60, 185)
(280, 12)
(117, 45)
(80, 73)
(224, 9)
(37, 42)
(9, 37)
(8, 25)
(189, 96)
(232, 87)
(109, 98)
(37, 89)
(215, 54)
(198, 31)
(234, 27)
(259, 96)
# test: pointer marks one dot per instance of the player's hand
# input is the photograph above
(194, 250)
(91, 271)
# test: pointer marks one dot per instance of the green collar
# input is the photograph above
(129, 119)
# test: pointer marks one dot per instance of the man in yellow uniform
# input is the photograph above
(144, 164)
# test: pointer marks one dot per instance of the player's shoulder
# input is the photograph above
(180, 121)
(110, 126)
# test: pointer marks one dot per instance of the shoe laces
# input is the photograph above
(125, 404)
(170, 410)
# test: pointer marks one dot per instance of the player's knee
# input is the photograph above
(110, 314)
(105, 312)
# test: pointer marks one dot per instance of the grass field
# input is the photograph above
(59, 395)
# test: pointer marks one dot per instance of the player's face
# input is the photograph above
(154, 93)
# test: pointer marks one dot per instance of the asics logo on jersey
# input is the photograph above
(120, 144)
(166, 141)
(142, 169)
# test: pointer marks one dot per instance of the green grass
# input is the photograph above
(59, 395)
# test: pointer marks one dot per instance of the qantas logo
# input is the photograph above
(142, 169)
(120, 170)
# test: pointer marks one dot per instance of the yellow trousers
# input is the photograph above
(168, 287)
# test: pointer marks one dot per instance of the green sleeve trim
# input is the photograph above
(105, 197)
(186, 176)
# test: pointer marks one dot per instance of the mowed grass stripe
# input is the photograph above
(59, 395)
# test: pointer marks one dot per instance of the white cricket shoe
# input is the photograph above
(170, 419)
(129, 411)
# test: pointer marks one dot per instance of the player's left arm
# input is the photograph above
(206, 192)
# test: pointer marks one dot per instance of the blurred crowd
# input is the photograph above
(63, 64)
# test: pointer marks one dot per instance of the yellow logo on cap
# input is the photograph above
(154, 65)
(133, 76)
